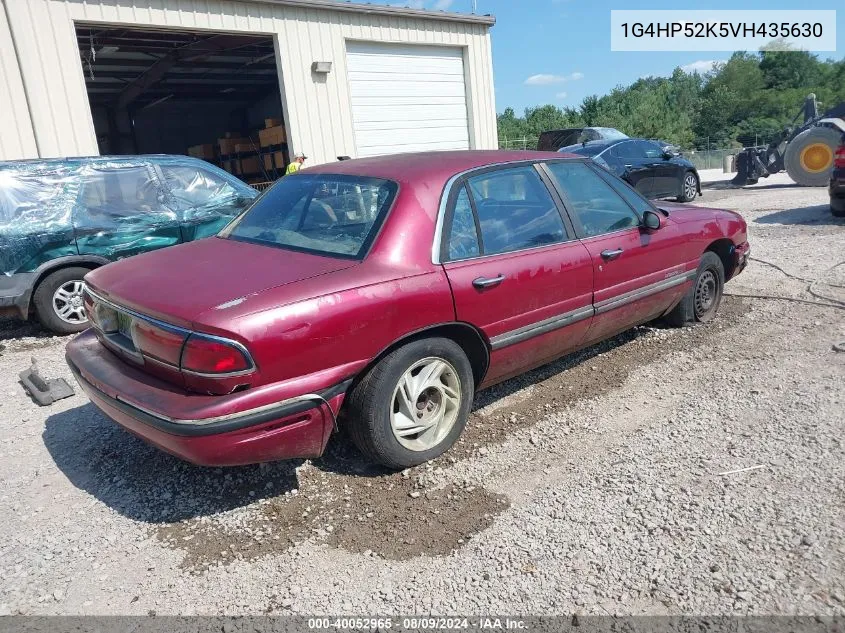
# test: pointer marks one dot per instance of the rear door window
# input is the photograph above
(121, 195)
(463, 236)
(515, 210)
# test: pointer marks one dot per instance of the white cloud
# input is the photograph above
(442, 5)
(561, 95)
(701, 66)
(542, 79)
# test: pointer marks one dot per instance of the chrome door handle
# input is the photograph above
(609, 254)
(488, 282)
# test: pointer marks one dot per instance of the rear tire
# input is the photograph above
(413, 404)
(809, 156)
(837, 207)
(58, 301)
(689, 187)
(701, 302)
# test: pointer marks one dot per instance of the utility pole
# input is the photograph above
(474, 6)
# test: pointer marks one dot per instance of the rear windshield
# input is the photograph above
(611, 133)
(327, 214)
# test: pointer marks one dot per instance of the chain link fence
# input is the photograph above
(525, 142)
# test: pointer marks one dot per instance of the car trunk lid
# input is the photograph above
(181, 282)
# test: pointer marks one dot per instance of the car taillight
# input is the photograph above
(839, 159)
(203, 355)
(157, 342)
(88, 304)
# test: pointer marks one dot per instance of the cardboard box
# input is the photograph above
(206, 151)
(272, 135)
(245, 148)
(227, 145)
(250, 165)
(272, 122)
(276, 159)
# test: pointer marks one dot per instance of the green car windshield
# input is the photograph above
(326, 214)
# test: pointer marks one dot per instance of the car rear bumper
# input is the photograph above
(15, 294)
(296, 427)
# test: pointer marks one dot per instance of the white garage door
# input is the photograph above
(407, 98)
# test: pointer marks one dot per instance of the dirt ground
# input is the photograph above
(603, 483)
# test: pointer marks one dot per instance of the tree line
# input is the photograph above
(749, 98)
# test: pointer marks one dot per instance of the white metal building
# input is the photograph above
(85, 77)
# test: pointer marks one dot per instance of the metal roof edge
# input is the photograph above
(356, 7)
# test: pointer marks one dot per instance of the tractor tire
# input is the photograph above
(809, 156)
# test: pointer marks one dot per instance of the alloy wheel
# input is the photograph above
(690, 187)
(68, 304)
(425, 404)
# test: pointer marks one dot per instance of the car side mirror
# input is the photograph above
(651, 220)
(670, 152)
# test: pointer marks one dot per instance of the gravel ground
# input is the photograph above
(598, 484)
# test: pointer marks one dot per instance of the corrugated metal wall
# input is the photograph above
(17, 139)
(317, 107)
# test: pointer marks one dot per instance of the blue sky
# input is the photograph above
(569, 42)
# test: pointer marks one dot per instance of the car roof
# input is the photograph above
(107, 158)
(430, 166)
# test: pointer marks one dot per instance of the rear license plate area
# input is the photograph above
(124, 325)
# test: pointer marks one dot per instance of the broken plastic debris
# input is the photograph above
(44, 392)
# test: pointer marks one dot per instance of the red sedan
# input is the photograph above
(389, 290)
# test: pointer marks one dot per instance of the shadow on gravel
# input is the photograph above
(340, 500)
(818, 214)
(726, 184)
(146, 484)
(15, 328)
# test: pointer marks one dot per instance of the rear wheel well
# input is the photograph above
(472, 342)
(90, 265)
(724, 248)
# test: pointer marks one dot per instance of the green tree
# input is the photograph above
(749, 98)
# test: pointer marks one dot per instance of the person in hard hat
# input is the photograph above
(296, 164)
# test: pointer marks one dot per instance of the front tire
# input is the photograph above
(413, 404)
(689, 187)
(701, 302)
(837, 207)
(58, 301)
(809, 156)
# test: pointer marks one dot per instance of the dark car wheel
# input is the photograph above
(702, 301)
(837, 207)
(58, 301)
(413, 405)
(689, 187)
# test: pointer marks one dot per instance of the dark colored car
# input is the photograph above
(61, 218)
(837, 182)
(654, 168)
(382, 292)
(553, 140)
